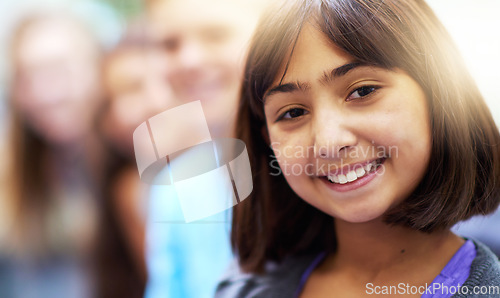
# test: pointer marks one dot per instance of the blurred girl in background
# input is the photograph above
(56, 158)
(60, 237)
(135, 91)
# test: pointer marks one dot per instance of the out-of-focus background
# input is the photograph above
(76, 78)
(65, 228)
(475, 28)
(108, 17)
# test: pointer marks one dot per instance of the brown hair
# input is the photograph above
(463, 174)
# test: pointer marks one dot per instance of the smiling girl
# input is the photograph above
(383, 142)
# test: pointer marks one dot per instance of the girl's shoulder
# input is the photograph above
(279, 280)
(282, 279)
(484, 274)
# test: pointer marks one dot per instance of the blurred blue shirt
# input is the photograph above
(184, 260)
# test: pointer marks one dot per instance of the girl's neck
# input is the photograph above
(376, 247)
(381, 255)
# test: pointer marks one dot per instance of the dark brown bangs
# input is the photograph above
(358, 29)
(267, 59)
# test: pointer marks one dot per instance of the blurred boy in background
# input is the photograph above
(204, 45)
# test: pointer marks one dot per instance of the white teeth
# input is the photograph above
(371, 166)
(360, 172)
(335, 179)
(351, 176)
(354, 174)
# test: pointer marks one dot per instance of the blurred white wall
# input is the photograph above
(475, 27)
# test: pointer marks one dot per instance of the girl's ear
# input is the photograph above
(265, 135)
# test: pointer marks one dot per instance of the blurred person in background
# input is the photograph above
(56, 159)
(204, 45)
(58, 239)
(134, 92)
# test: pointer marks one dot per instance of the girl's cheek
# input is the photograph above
(292, 161)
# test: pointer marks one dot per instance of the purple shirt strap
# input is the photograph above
(308, 272)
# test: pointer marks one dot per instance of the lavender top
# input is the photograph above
(453, 275)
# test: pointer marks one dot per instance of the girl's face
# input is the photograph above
(134, 83)
(56, 84)
(352, 140)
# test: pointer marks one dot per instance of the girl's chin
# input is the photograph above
(356, 219)
(365, 215)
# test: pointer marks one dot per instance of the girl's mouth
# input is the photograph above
(357, 172)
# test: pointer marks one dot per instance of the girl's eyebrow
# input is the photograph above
(341, 71)
(326, 78)
(287, 88)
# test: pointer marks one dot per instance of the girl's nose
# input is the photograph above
(333, 134)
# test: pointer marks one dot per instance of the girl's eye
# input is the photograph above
(362, 92)
(293, 113)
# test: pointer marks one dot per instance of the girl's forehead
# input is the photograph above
(311, 55)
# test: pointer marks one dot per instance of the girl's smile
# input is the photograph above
(354, 176)
(370, 122)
